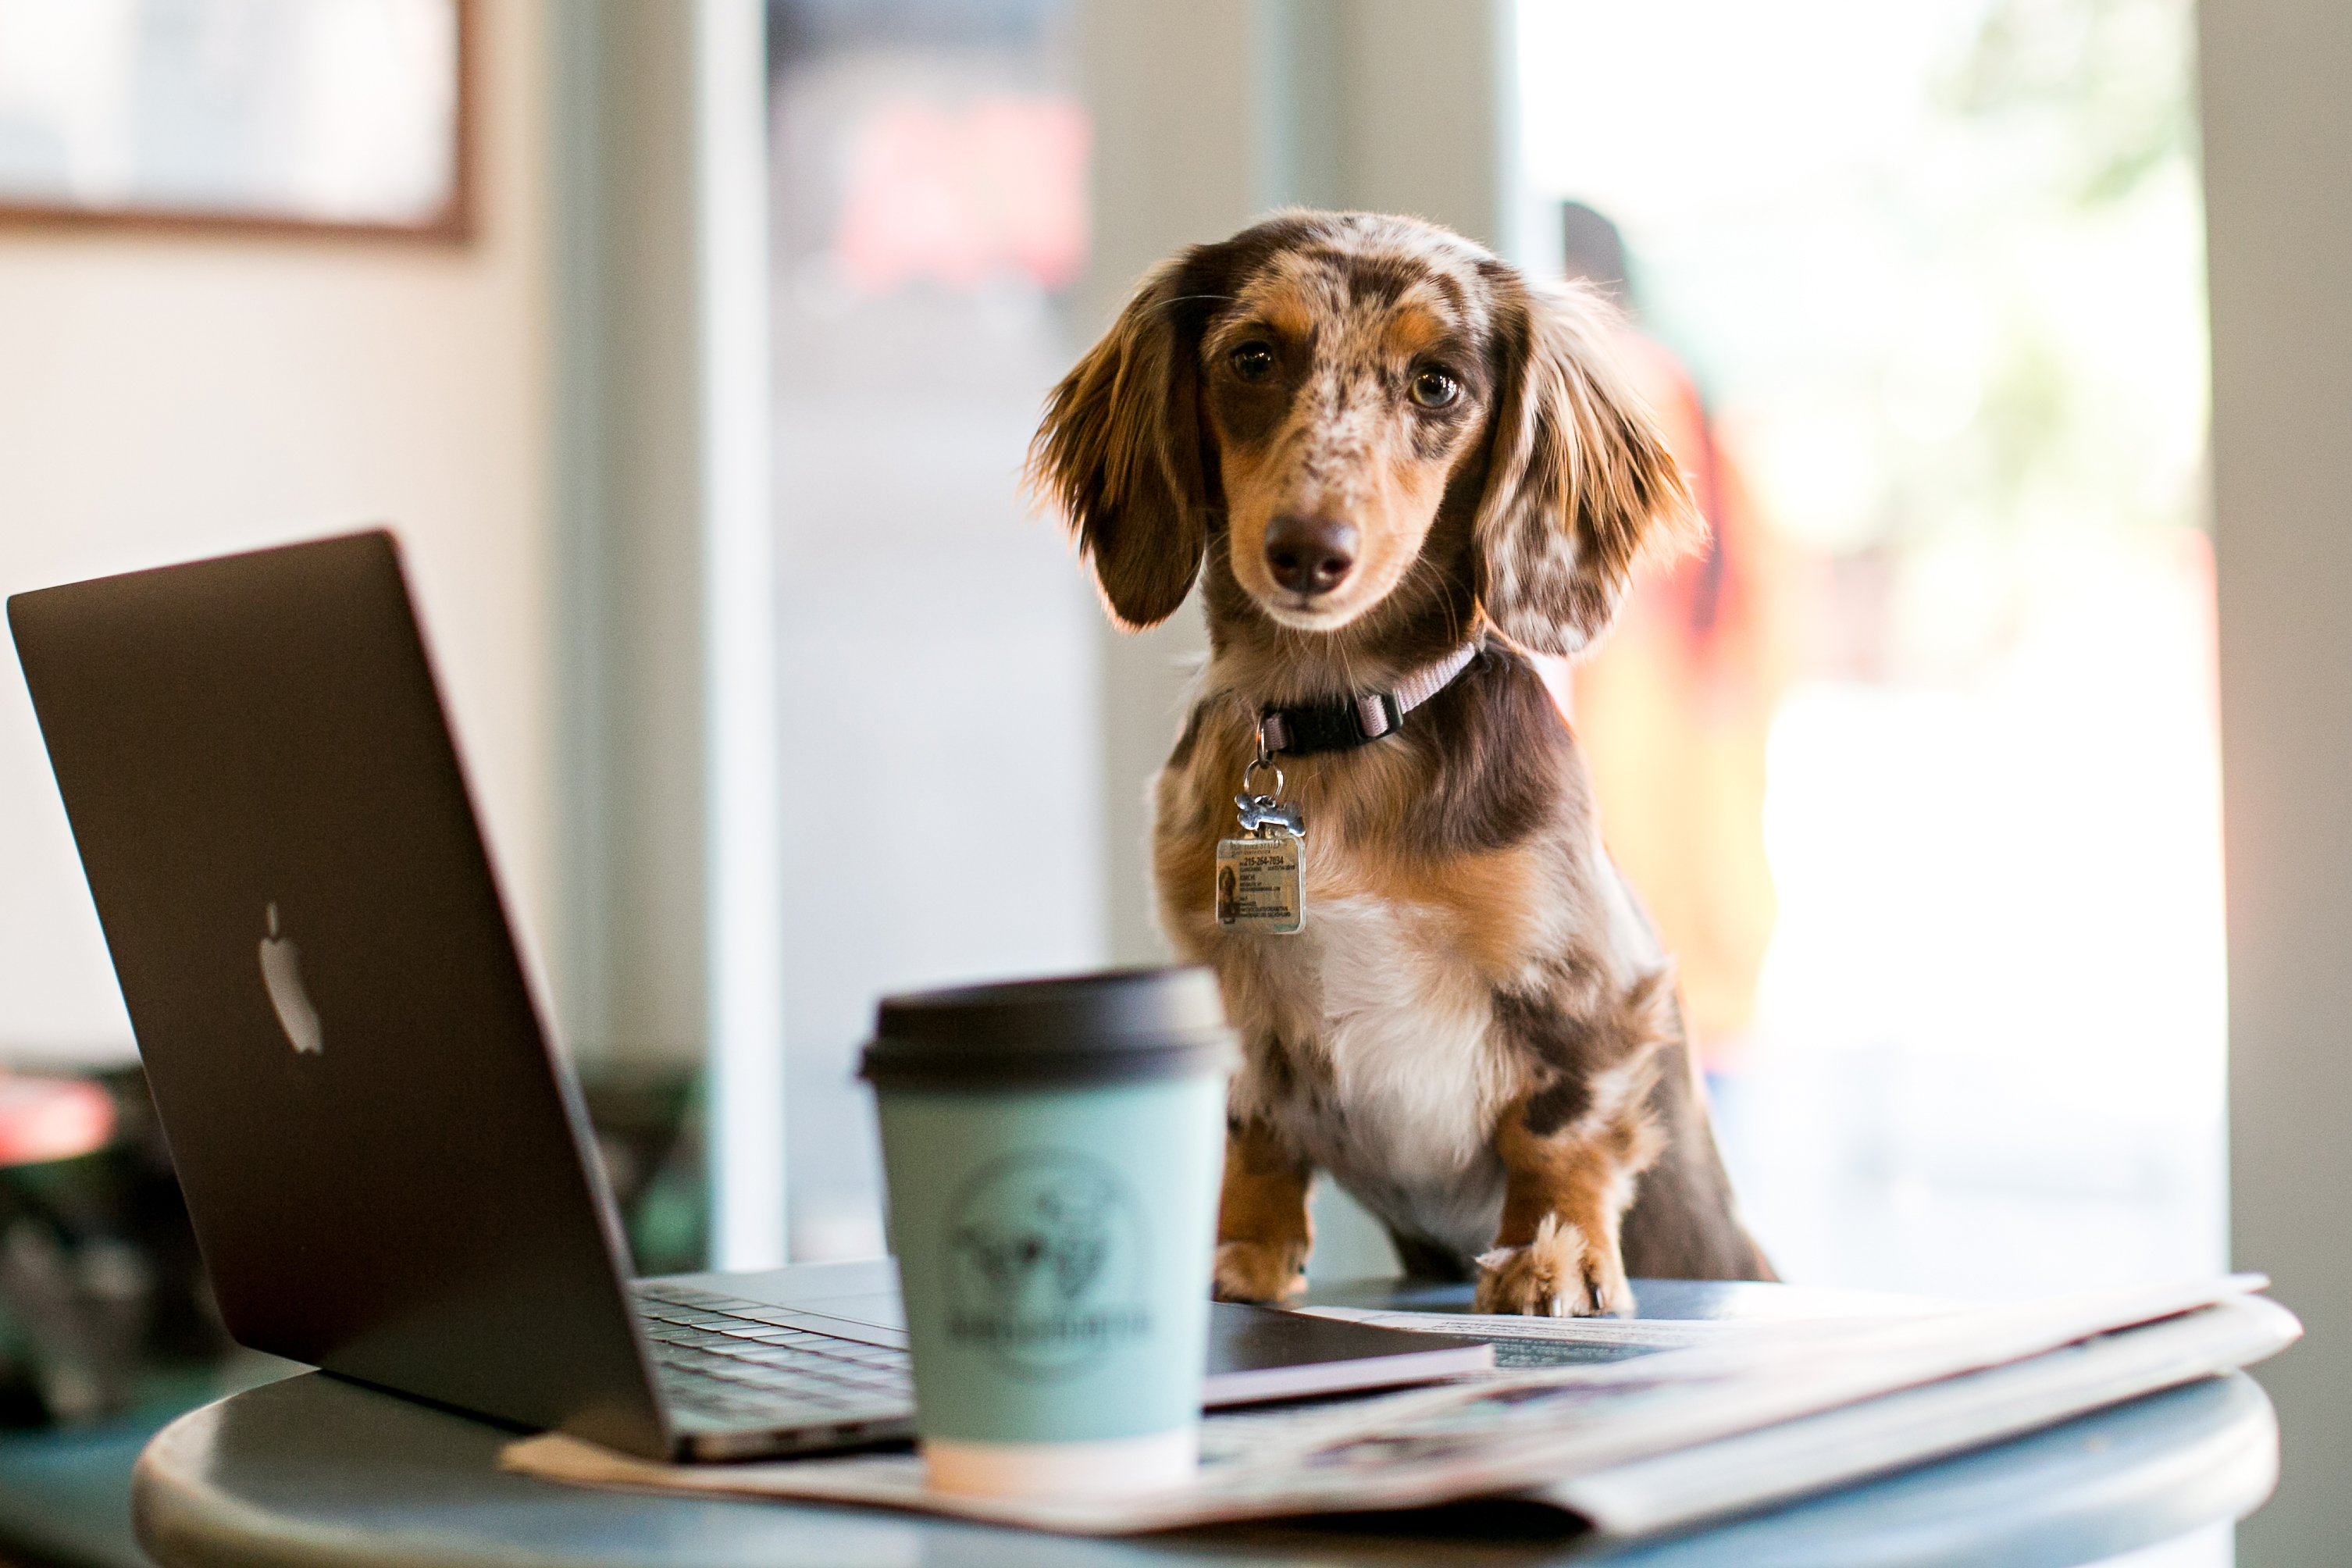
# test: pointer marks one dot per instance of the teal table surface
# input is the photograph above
(311, 1472)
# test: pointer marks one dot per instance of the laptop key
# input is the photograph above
(690, 1296)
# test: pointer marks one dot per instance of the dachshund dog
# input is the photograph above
(1399, 469)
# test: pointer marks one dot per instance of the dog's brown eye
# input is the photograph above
(1434, 389)
(1252, 361)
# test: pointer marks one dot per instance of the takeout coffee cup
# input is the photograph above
(1052, 1151)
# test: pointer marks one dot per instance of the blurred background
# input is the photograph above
(693, 351)
(1917, 766)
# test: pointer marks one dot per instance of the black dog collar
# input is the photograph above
(1346, 723)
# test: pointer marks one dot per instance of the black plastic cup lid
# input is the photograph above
(1118, 1026)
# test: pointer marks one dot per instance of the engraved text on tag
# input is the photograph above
(1258, 885)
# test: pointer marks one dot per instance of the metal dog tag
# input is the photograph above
(1258, 885)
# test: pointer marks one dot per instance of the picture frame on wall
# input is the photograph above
(318, 117)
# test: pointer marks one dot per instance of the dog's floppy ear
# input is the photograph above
(1120, 452)
(1578, 481)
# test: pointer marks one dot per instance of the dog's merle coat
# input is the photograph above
(1476, 1033)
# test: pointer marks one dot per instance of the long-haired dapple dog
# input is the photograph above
(1400, 467)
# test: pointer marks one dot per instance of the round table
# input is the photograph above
(314, 1472)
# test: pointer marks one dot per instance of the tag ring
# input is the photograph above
(1251, 771)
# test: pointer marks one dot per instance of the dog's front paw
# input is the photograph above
(1259, 1271)
(1560, 1274)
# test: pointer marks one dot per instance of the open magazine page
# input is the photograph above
(1544, 1432)
(1687, 1484)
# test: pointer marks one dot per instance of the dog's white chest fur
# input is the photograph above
(1415, 1077)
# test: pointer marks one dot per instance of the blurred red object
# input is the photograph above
(52, 1119)
(951, 194)
(1674, 711)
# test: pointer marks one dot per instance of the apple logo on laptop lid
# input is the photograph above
(281, 976)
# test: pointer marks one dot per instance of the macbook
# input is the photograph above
(384, 1158)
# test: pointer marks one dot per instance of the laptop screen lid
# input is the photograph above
(382, 1155)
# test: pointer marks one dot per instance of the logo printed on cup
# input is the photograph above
(1048, 1265)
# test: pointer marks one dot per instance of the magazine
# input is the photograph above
(1731, 1417)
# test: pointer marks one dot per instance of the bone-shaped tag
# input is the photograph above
(1262, 811)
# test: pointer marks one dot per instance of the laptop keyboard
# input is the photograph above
(750, 1364)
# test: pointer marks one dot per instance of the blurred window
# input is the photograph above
(939, 663)
(1934, 273)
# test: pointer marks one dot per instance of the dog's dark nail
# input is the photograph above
(1309, 555)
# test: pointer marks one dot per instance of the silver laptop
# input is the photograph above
(383, 1156)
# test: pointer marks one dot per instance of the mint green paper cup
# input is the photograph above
(1052, 1151)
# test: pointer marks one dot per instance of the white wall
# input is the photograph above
(161, 398)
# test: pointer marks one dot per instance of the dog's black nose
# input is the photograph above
(1309, 555)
